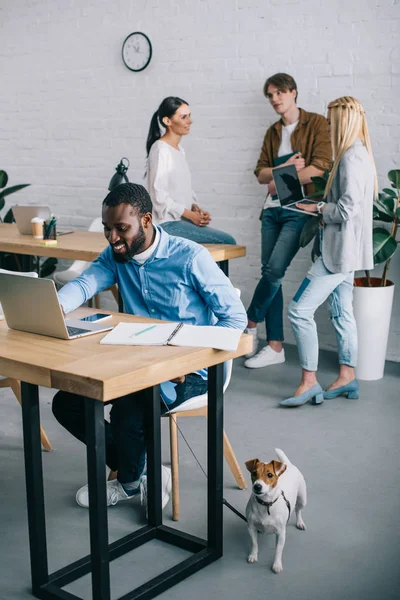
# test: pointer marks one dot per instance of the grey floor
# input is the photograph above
(347, 450)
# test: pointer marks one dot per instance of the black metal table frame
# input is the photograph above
(49, 586)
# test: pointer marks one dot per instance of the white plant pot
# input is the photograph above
(372, 311)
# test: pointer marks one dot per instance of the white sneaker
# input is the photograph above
(166, 487)
(115, 493)
(266, 357)
(252, 331)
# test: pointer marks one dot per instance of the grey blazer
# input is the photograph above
(347, 239)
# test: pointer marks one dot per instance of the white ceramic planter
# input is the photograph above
(372, 310)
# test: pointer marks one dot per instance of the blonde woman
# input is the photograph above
(346, 246)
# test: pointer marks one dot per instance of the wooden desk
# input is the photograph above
(87, 245)
(103, 373)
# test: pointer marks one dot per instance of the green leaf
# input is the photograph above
(389, 192)
(2, 203)
(48, 267)
(394, 177)
(385, 205)
(320, 183)
(3, 179)
(9, 218)
(398, 213)
(12, 189)
(384, 245)
(309, 231)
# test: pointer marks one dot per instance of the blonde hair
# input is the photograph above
(348, 123)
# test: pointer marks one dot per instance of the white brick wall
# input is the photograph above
(69, 109)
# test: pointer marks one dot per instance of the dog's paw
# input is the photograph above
(301, 525)
(277, 568)
(252, 558)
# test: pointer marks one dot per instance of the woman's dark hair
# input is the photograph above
(167, 108)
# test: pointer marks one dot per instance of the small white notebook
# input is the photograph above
(173, 334)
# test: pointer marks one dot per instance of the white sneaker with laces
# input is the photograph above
(252, 331)
(115, 493)
(266, 357)
(166, 487)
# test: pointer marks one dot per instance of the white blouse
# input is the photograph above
(169, 182)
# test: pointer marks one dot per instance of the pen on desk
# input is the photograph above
(147, 329)
(49, 227)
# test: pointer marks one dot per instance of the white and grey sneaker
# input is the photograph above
(252, 331)
(266, 357)
(115, 493)
(166, 487)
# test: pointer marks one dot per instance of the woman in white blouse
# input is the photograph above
(169, 181)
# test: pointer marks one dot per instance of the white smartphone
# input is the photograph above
(95, 318)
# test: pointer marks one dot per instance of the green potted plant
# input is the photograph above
(12, 261)
(373, 296)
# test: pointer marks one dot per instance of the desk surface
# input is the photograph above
(85, 245)
(85, 367)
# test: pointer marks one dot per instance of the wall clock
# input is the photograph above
(136, 51)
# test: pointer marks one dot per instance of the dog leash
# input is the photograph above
(269, 504)
(224, 501)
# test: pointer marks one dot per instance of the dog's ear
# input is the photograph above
(278, 467)
(251, 464)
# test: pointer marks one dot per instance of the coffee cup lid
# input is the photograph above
(36, 220)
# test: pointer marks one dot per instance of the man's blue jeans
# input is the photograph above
(125, 437)
(201, 235)
(280, 238)
(320, 285)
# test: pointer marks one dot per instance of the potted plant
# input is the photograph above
(9, 261)
(373, 296)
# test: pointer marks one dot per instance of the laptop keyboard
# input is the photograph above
(76, 330)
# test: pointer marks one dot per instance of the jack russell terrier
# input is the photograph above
(278, 487)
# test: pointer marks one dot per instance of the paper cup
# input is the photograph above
(37, 228)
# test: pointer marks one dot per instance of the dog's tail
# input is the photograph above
(282, 456)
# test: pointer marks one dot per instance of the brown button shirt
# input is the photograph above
(310, 137)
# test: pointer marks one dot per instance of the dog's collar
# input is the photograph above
(269, 504)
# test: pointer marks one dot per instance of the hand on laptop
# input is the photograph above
(271, 188)
(311, 208)
(297, 160)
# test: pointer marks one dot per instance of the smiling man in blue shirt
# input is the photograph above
(158, 276)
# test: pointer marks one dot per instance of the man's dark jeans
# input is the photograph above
(280, 238)
(125, 440)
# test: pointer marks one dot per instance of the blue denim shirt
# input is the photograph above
(180, 282)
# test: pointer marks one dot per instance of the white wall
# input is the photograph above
(69, 108)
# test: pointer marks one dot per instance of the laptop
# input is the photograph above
(31, 304)
(289, 190)
(23, 214)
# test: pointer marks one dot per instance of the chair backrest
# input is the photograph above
(96, 225)
(28, 274)
(229, 363)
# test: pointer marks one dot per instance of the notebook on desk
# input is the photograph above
(32, 305)
(23, 214)
(173, 334)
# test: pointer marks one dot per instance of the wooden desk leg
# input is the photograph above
(96, 464)
(34, 486)
(215, 455)
(153, 443)
(224, 266)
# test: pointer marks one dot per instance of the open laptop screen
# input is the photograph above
(288, 186)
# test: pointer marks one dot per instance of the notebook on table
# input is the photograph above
(23, 214)
(289, 189)
(32, 305)
(174, 334)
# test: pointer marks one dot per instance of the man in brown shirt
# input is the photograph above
(300, 138)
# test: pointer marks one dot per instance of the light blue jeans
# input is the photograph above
(320, 285)
(201, 235)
